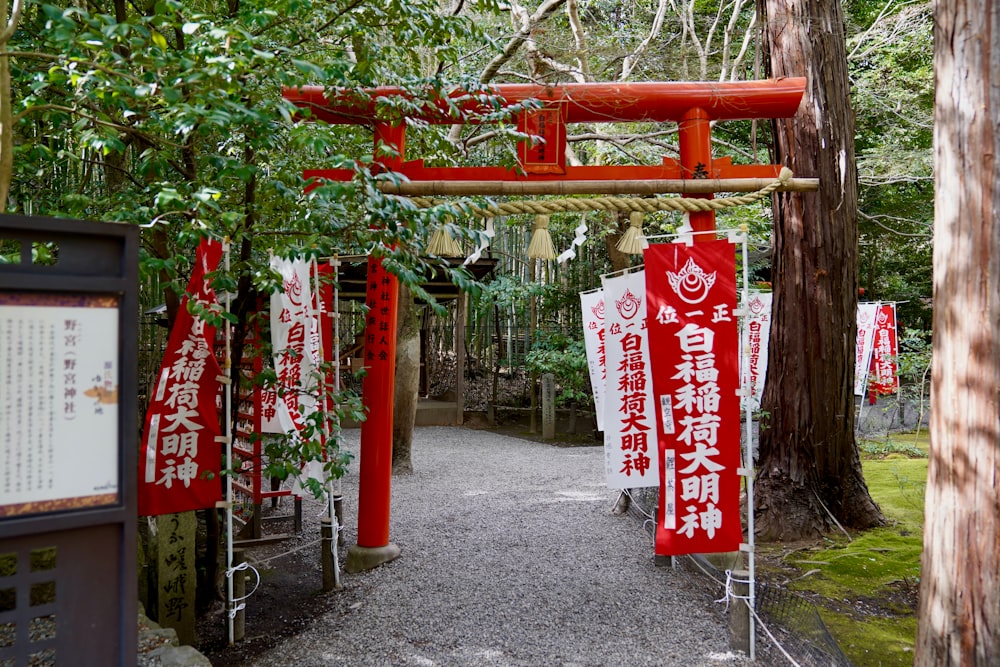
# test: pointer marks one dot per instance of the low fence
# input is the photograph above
(790, 630)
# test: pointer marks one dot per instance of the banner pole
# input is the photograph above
(748, 454)
(325, 396)
(335, 488)
(230, 615)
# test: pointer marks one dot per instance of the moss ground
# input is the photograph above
(866, 587)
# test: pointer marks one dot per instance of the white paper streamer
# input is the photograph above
(581, 236)
(487, 237)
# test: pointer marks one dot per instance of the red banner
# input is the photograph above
(694, 345)
(885, 347)
(181, 457)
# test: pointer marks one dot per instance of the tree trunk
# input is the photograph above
(960, 571)
(404, 411)
(809, 469)
(619, 260)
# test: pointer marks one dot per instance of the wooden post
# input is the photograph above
(460, 314)
(326, 554)
(239, 590)
(739, 612)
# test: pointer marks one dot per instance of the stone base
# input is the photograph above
(361, 558)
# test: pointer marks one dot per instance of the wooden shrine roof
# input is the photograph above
(353, 275)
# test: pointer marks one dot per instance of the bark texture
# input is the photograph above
(404, 410)
(809, 469)
(960, 571)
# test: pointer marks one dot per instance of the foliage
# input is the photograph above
(169, 115)
(880, 449)
(890, 57)
(566, 358)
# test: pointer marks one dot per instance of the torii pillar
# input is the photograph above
(375, 476)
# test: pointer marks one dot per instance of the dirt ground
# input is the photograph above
(289, 598)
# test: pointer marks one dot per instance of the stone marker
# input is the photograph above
(548, 406)
(175, 574)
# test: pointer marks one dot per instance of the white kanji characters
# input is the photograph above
(182, 394)
(182, 419)
(700, 458)
(711, 519)
(701, 488)
(695, 339)
(721, 313)
(187, 471)
(666, 315)
(690, 522)
(701, 428)
(183, 444)
(183, 472)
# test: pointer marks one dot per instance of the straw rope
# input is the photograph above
(647, 205)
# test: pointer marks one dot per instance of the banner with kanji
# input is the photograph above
(863, 345)
(756, 337)
(301, 339)
(630, 458)
(694, 342)
(295, 339)
(181, 457)
(885, 348)
(592, 305)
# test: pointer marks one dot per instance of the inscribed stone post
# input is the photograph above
(175, 574)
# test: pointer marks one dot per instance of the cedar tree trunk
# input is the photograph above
(809, 468)
(960, 571)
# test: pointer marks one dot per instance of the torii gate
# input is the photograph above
(543, 170)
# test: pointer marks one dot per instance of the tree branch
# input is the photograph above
(631, 60)
(11, 27)
(89, 63)
(157, 141)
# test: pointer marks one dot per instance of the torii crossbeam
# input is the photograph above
(542, 169)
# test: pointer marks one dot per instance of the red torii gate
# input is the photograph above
(543, 169)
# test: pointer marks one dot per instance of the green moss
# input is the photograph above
(869, 583)
(898, 487)
(863, 567)
(874, 642)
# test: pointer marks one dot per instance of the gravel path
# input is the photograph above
(511, 557)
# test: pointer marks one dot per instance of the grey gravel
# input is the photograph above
(511, 557)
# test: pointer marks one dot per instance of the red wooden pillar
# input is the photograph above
(375, 467)
(695, 138)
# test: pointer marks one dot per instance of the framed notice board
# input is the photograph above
(68, 325)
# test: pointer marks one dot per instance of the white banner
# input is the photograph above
(294, 339)
(630, 446)
(867, 313)
(592, 305)
(756, 335)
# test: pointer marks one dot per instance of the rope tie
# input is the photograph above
(242, 605)
(729, 594)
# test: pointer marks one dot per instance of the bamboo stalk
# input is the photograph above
(637, 187)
